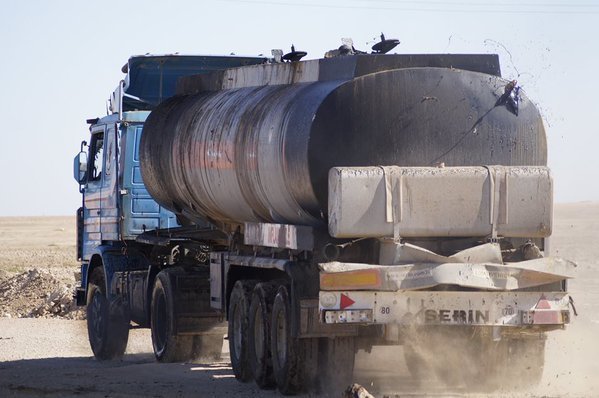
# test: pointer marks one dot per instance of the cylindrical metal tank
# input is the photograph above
(264, 153)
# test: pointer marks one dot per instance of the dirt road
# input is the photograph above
(51, 357)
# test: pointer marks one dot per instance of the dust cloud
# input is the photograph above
(571, 362)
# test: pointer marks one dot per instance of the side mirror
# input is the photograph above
(80, 167)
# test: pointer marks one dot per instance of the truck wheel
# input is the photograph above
(239, 308)
(168, 347)
(208, 347)
(514, 363)
(418, 353)
(511, 363)
(443, 345)
(416, 362)
(107, 324)
(294, 360)
(529, 355)
(485, 366)
(431, 352)
(337, 357)
(259, 334)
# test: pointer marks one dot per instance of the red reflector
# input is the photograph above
(345, 302)
(543, 304)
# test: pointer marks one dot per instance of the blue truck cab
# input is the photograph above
(116, 206)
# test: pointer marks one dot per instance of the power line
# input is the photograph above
(482, 4)
(496, 10)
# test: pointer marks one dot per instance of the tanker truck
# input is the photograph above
(305, 210)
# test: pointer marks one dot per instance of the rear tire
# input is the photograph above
(294, 360)
(515, 363)
(239, 308)
(107, 323)
(208, 347)
(337, 357)
(416, 363)
(259, 334)
(468, 358)
(168, 347)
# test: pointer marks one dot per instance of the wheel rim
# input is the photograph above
(237, 331)
(160, 322)
(281, 335)
(258, 334)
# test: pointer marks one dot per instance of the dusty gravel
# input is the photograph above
(37, 293)
(51, 357)
(38, 267)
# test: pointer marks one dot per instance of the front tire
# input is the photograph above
(168, 347)
(107, 324)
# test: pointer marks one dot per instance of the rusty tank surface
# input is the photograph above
(255, 144)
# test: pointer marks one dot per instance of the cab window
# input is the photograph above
(97, 157)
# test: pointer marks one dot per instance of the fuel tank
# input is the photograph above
(263, 153)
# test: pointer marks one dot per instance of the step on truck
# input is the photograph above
(309, 209)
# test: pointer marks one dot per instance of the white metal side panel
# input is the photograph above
(440, 202)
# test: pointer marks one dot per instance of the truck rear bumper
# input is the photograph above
(515, 309)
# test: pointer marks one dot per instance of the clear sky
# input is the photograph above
(61, 59)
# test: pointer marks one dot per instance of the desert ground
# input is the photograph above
(44, 349)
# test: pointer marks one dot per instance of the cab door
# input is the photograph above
(109, 200)
(92, 199)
